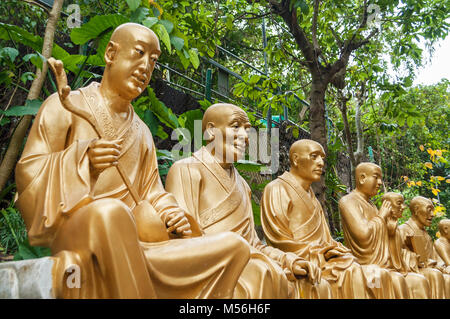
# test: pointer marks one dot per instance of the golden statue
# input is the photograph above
(210, 189)
(89, 189)
(371, 235)
(442, 244)
(293, 221)
(416, 239)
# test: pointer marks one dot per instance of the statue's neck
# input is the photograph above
(417, 223)
(363, 195)
(306, 185)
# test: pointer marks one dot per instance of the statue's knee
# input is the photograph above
(111, 210)
(238, 245)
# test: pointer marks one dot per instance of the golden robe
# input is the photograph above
(220, 202)
(293, 221)
(91, 224)
(439, 282)
(366, 234)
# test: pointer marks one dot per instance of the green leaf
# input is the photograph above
(193, 57)
(133, 4)
(168, 25)
(163, 35)
(36, 59)
(27, 76)
(151, 121)
(139, 14)
(177, 42)
(164, 114)
(11, 32)
(10, 53)
(248, 166)
(150, 22)
(31, 108)
(96, 27)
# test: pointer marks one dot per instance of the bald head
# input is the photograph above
(365, 168)
(220, 113)
(304, 146)
(368, 178)
(391, 196)
(397, 203)
(444, 227)
(124, 31)
(418, 202)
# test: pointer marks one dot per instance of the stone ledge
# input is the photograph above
(27, 279)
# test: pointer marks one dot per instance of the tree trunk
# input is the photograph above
(318, 128)
(15, 145)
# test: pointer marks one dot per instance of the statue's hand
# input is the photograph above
(57, 68)
(303, 267)
(335, 252)
(178, 222)
(103, 154)
(385, 210)
(391, 224)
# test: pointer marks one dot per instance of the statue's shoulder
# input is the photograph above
(347, 199)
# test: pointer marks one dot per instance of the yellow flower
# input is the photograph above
(419, 183)
(421, 148)
(447, 181)
(438, 234)
(438, 209)
(435, 191)
(438, 152)
(429, 165)
(430, 151)
(405, 178)
(413, 183)
(440, 178)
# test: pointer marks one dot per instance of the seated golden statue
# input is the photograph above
(89, 189)
(416, 239)
(442, 244)
(210, 189)
(371, 235)
(293, 221)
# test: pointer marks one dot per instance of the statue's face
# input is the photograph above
(133, 63)
(445, 232)
(231, 134)
(397, 205)
(424, 213)
(370, 180)
(310, 161)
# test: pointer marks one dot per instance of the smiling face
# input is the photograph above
(227, 127)
(131, 56)
(422, 211)
(307, 160)
(397, 203)
(368, 178)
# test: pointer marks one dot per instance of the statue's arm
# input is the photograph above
(358, 226)
(442, 252)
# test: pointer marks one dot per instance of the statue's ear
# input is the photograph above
(362, 178)
(294, 161)
(210, 132)
(110, 52)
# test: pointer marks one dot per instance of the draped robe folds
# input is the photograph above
(293, 221)
(439, 282)
(223, 203)
(92, 225)
(366, 234)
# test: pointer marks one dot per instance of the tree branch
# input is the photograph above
(10, 158)
(314, 27)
